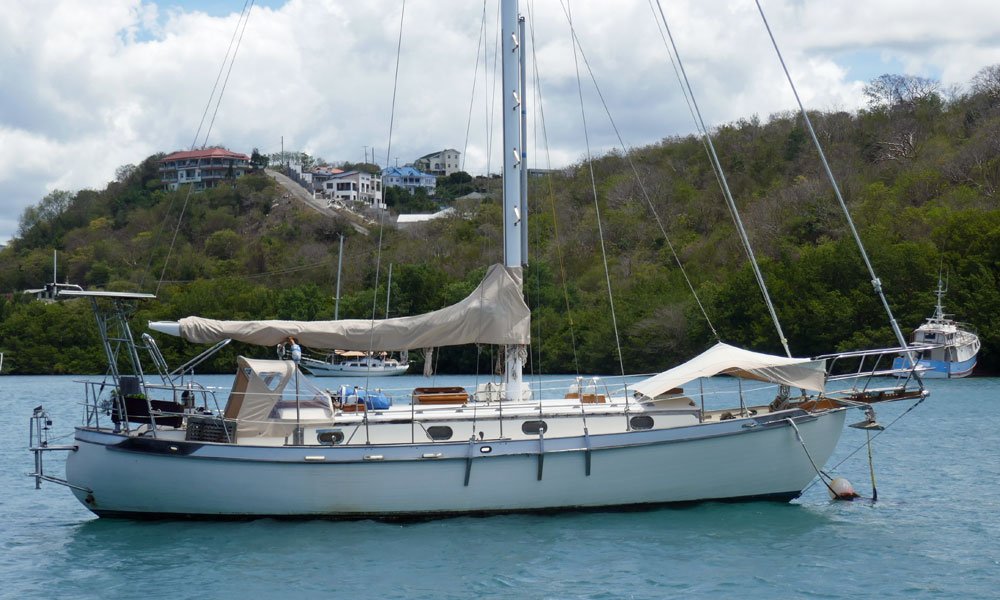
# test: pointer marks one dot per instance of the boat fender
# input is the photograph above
(841, 489)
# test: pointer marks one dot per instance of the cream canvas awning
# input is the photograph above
(495, 313)
(724, 359)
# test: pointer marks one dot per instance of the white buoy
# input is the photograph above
(841, 489)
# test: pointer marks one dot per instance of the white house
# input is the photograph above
(355, 186)
(442, 163)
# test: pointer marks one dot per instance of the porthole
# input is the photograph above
(329, 437)
(439, 432)
(534, 427)
(641, 422)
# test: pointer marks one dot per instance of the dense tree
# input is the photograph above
(896, 91)
(258, 160)
(920, 174)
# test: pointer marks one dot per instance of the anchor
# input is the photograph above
(869, 424)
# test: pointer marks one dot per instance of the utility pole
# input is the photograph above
(340, 256)
(388, 292)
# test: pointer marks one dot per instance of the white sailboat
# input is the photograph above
(946, 348)
(280, 446)
(354, 363)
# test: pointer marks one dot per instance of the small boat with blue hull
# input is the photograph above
(944, 348)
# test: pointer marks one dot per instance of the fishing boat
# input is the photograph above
(353, 363)
(946, 348)
(277, 445)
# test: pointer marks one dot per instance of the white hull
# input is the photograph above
(718, 461)
(377, 368)
(329, 370)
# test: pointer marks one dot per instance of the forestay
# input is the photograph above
(803, 373)
(495, 313)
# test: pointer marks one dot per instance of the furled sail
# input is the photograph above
(495, 313)
(724, 359)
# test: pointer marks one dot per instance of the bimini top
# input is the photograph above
(804, 373)
(495, 313)
(271, 397)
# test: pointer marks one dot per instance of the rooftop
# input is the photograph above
(205, 153)
(404, 172)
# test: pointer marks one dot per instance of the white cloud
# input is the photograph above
(90, 86)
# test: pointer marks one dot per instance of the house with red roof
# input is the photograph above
(203, 169)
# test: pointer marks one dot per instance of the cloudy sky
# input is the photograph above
(88, 86)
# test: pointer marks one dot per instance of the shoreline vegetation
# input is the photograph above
(920, 172)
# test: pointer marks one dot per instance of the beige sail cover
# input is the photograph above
(724, 359)
(495, 313)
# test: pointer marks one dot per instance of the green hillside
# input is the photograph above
(919, 171)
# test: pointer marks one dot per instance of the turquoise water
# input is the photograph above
(934, 533)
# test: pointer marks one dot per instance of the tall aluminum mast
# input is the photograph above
(513, 153)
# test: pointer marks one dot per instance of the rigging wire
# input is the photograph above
(491, 99)
(475, 72)
(245, 18)
(703, 135)
(870, 439)
(232, 62)
(551, 193)
(534, 367)
(875, 281)
(726, 191)
(627, 152)
(489, 243)
(381, 221)
(156, 242)
(222, 67)
(173, 239)
(597, 207)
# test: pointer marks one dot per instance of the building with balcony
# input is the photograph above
(442, 163)
(354, 186)
(408, 178)
(202, 168)
(318, 176)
